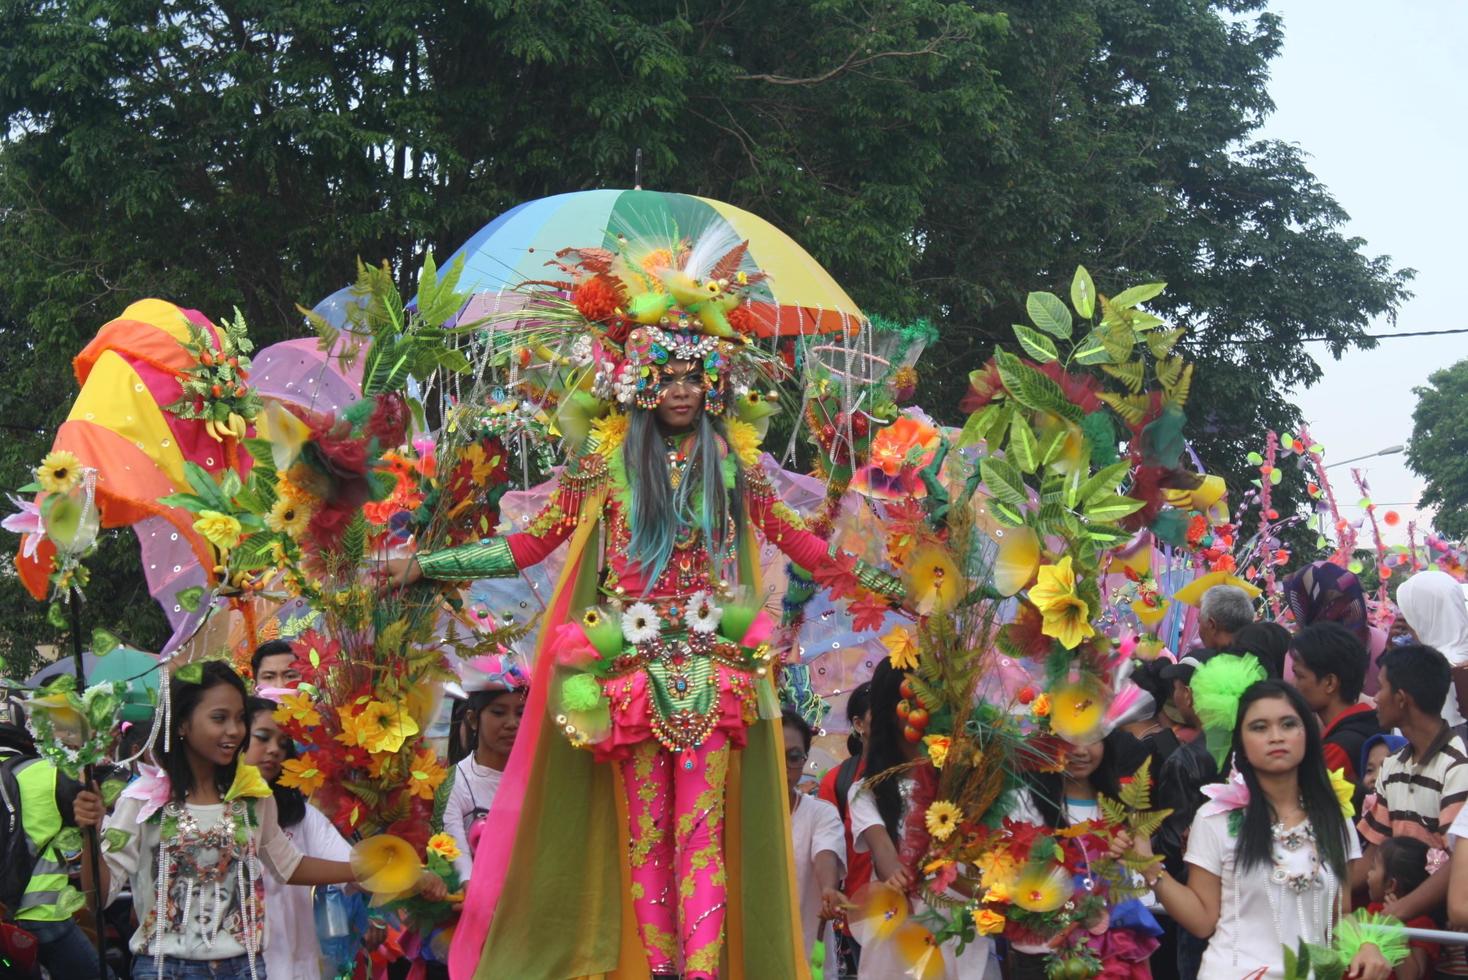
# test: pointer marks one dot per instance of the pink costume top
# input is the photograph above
(665, 670)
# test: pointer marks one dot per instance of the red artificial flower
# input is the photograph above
(316, 653)
(1197, 529)
(598, 298)
(388, 423)
(328, 524)
(1224, 563)
(743, 320)
(1148, 483)
(984, 385)
(868, 612)
(838, 576)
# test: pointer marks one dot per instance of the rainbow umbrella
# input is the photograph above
(800, 298)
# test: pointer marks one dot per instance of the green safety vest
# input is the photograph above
(46, 894)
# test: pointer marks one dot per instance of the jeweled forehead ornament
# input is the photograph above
(645, 375)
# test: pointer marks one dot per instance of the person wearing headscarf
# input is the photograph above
(1432, 604)
(1327, 592)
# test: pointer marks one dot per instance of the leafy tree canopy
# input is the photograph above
(1438, 450)
(940, 157)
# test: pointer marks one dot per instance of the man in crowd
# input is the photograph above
(273, 665)
(1421, 789)
(1223, 611)
(42, 802)
(1330, 668)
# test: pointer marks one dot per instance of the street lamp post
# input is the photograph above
(1388, 451)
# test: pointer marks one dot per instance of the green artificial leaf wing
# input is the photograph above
(1048, 312)
(1083, 292)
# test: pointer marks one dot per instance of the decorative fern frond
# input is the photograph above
(1129, 374)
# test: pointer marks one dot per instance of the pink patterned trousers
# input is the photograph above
(676, 821)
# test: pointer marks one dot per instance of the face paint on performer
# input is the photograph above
(680, 394)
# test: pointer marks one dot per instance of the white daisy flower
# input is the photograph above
(703, 615)
(640, 623)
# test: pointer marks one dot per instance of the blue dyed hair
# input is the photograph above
(660, 513)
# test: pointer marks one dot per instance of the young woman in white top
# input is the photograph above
(497, 689)
(190, 839)
(293, 951)
(1267, 860)
(819, 840)
(879, 819)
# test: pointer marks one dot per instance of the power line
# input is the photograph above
(1364, 336)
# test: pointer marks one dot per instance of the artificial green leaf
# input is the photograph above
(1049, 312)
(111, 790)
(1118, 340)
(1083, 292)
(189, 598)
(1104, 481)
(1091, 350)
(1128, 298)
(1275, 475)
(68, 839)
(103, 642)
(1006, 513)
(1161, 342)
(1112, 508)
(1003, 481)
(1023, 449)
(1129, 374)
(56, 616)
(1033, 389)
(190, 673)
(115, 839)
(203, 484)
(1040, 347)
(973, 429)
(1255, 459)
(1054, 445)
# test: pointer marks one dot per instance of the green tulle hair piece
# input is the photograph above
(1217, 687)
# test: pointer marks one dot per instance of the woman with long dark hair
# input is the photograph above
(191, 838)
(492, 715)
(1267, 858)
(886, 805)
(293, 952)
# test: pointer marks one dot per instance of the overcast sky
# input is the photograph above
(1377, 96)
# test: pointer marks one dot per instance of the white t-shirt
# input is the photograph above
(815, 826)
(293, 951)
(199, 921)
(1257, 916)
(469, 799)
(1458, 828)
(882, 962)
(1074, 811)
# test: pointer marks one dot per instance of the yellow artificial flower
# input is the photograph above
(288, 516)
(297, 707)
(220, 530)
(1043, 890)
(302, 774)
(998, 893)
(942, 819)
(385, 727)
(444, 846)
(937, 746)
(287, 489)
(1077, 711)
(933, 580)
(743, 440)
(59, 472)
(1040, 707)
(988, 922)
(247, 782)
(1066, 615)
(1344, 792)
(480, 466)
(425, 775)
(351, 729)
(902, 649)
(608, 432)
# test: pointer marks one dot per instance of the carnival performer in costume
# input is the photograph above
(652, 654)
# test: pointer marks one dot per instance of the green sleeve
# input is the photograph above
(483, 559)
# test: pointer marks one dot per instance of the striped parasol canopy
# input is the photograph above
(800, 297)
